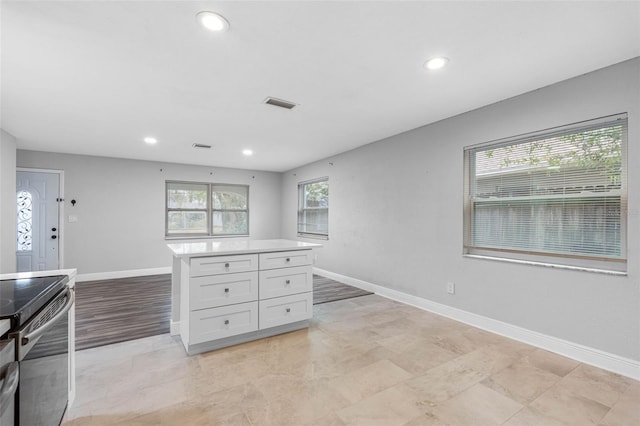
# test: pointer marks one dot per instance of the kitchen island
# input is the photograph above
(227, 292)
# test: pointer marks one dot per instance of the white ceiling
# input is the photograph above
(96, 77)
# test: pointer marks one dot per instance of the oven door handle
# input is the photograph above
(43, 328)
(9, 385)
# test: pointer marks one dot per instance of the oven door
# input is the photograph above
(43, 353)
(9, 377)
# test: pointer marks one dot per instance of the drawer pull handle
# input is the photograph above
(226, 290)
(288, 310)
(288, 259)
(226, 322)
(287, 282)
(226, 265)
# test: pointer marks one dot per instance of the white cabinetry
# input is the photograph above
(285, 310)
(223, 264)
(226, 321)
(285, 281)
(285, 259)
(220, 290)
(228, 299)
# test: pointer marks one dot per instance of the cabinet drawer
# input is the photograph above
(214, 265)
(216, 323)
(285, 310)
(285, 259)
(285, 281)
(220, 290)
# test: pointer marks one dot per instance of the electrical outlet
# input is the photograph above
(451, 288)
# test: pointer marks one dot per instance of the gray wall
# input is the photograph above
(396, 212)
(7, 203)
(120, 207)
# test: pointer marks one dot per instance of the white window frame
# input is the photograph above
(209, 211)
(612, 265)
(302, 208)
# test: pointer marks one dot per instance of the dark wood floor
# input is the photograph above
(112, 311)
(327, 290)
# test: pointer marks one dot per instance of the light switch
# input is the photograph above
(451, 288)
(73, 218)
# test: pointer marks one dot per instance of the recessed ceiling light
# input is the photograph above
(213, 21)
(247, 152)
(150, 140)
(436, 63)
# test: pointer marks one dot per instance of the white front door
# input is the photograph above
(37, 195)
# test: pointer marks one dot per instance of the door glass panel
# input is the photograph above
(25, 221)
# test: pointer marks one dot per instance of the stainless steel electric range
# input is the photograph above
(35, 377)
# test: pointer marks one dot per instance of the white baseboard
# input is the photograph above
(122, 274)
(605, 360)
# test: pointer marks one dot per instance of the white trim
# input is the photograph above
(61, 230)
(122, 274)
(174, 328)
(605, 360)
(31, 169)
(547, 265)
(61, 227)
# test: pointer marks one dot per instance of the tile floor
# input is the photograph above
(364, 361)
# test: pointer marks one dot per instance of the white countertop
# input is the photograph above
(20, 275)
(71, 273)
(225, 247)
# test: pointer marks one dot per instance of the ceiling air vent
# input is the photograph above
(201, 145)
(279, 103)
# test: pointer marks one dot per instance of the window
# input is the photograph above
(558, 196)
(230, 209)
(206, 209)
(313, 208)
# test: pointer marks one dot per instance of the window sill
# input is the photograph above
(202, 237)
(313, 236)
(547, 265)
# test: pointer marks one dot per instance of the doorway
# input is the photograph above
(38, 198)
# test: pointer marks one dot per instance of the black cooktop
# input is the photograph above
(22, 298)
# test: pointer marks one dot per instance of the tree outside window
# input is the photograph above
(313, 208)
(559, 196)
(205, 209)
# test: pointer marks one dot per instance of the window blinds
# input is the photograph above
(313, 207)
(560, 193)
(206, 209)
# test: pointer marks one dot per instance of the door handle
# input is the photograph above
(70, 295)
